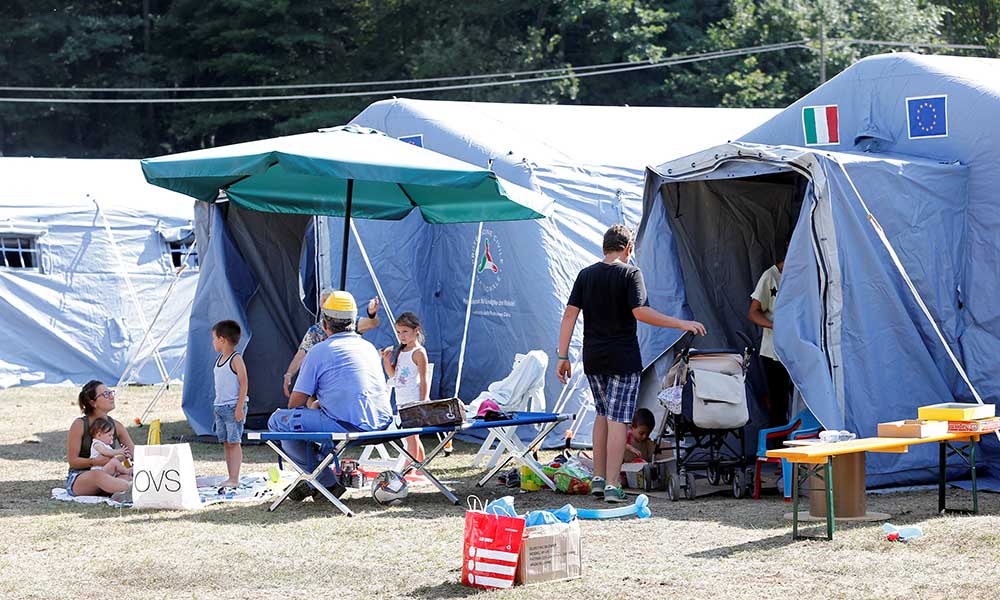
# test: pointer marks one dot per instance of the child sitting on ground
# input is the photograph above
(102, 431)
(637, 442)
(230, 406)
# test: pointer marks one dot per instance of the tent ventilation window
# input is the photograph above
(18, 252)
(181, 253)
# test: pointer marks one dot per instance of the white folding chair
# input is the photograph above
(523, 389)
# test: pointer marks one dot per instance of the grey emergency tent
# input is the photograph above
(89, 254)
(884, 180)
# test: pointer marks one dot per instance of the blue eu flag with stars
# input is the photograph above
(927, 116)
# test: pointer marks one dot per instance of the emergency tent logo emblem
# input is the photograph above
(486, 262)
(490, 264)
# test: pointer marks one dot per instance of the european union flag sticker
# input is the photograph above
(927, 117)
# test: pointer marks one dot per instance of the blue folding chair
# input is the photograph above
(804, 425)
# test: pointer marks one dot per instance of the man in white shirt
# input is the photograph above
(762, 313)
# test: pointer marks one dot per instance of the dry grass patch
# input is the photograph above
(715, 547)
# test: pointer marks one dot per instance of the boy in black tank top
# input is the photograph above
(611, 295)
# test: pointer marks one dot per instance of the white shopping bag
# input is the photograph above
(163, 477)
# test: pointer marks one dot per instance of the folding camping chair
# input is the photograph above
(523, 389)
(342, 441)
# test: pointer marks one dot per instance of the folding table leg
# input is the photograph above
(521, 455)
(972, 465)
(969, 458)
(310, 478)
(942, 475)
(828, 481)
(421, 467)
(795, 501)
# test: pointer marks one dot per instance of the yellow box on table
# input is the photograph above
(956, 411)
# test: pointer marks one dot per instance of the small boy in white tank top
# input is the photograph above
(230, 406)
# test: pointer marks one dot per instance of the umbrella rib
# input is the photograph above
(232, 183)
(405, 193)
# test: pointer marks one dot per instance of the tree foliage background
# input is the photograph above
(191, 43)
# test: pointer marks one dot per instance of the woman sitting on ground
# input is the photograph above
(96, 401)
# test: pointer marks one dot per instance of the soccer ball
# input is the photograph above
(389, 488)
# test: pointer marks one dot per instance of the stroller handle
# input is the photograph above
(687, 340)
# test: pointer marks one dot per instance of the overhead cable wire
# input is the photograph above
(306, 86)
(847, 41)
(644, 65)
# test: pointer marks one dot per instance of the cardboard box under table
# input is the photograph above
(341, 441)
(817, 460)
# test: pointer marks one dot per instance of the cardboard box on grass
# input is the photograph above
(550, 553)
(633, 475)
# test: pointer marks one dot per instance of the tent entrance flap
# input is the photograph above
(728, 233)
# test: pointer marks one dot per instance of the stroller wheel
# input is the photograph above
(727, 477)
(672, 491)
(713, 474)
(738, 485)
(689, 491)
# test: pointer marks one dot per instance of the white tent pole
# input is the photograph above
(128, 284)
(468, 310)
(913, 289)
(163, 386)
(378, 286)
(159, 310)
(567, 391)
(156, 346)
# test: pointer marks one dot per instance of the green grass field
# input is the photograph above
(714, 547)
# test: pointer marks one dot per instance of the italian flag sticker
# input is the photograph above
(821, 125)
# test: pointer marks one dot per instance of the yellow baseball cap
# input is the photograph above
(340, 305)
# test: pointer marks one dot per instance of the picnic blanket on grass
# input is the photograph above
(253, 488)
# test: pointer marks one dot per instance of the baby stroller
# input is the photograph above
(707, 398)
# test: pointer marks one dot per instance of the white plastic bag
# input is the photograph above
(163, 477)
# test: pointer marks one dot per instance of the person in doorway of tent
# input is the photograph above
(611, 295)
(408, 371)
(341, 389)
(762, 313)
(316, 334)
(102, 432)
(230, 406)
(95, 401)
(638, 446)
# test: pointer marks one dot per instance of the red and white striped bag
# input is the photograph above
(492, 545)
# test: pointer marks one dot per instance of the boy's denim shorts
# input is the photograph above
(227, 428)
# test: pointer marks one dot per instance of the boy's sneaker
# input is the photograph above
(614, 495)
(597, 486)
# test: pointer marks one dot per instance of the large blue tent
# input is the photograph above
(883, 182)
(589, 160)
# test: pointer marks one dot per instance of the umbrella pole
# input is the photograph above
(347, 235)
